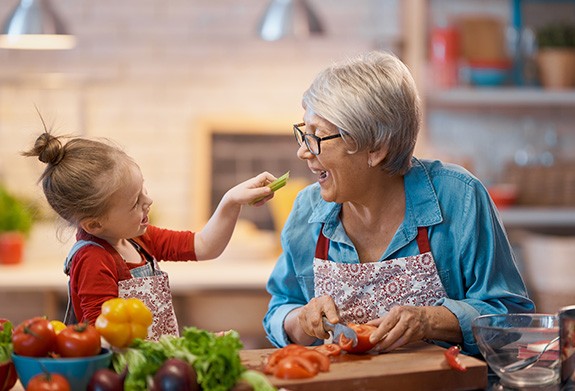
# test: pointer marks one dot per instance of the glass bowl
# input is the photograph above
(507, 338)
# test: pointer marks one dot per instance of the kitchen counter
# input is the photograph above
(245, 264)
(418, 366)
(538, 217)
(184, 276)
(205, 293)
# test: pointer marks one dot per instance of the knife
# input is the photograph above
(338, 329)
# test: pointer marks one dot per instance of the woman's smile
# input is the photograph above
(322, 174)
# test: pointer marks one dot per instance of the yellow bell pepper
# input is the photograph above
(58, 326)
(123, 320)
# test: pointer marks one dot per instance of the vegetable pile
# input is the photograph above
(198, 360)
(36, 337)
(214, 358)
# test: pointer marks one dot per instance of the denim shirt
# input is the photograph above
(472, 253)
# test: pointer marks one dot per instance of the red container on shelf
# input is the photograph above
(11, 248)
(444, 53)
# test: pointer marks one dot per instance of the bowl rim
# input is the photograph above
(105, 352)
(538, 315)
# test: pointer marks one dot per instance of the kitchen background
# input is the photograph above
(201, 102)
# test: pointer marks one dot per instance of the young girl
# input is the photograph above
(98, 189)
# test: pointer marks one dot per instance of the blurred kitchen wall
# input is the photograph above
(154, 74)
(149, 74)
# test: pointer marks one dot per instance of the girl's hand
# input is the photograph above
(251, 189)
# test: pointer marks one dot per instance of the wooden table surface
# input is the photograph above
(419, 366)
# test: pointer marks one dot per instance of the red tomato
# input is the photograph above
(295, 367)
(48, 382)
(363, 332)
(319, 360)
(274, 358)
(452, 357)
(34, 337)
(329, 349)
(79, 340)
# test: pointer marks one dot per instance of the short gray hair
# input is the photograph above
(373, 100)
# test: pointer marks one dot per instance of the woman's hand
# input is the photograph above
(398, 327)
(305, 324)
(405, 324)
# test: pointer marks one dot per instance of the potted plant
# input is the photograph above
(556, 55)
(16, 219)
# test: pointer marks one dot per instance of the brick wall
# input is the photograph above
(155, 74)
(158, 76)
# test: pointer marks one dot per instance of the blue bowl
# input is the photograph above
(489, 77)
(78, 370)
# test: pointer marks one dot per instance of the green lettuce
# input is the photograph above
(214, 357)
(5, 342)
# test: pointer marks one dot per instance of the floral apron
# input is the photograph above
(148, 283)
(366, 291)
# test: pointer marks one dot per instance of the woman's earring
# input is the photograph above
(369, 163)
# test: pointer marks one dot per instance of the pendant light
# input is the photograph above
(284, 18)
(34, 24)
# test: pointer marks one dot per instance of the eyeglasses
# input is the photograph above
(312, 142)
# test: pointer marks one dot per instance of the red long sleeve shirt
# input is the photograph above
(95, 271)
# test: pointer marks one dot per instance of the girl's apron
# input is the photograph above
(148, 283)
(367, 291)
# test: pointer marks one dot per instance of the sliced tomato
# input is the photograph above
(329, 349)
(274, 358)
(321, 361)
(293, 348)
(295, 367)
(452, 357)
(363, 332)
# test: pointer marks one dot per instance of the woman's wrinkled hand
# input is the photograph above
(310, 316)
(400, 326)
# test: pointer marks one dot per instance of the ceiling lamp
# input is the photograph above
(33, 24)
(285, 18)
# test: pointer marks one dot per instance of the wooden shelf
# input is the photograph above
(500, 97)
(538, 217)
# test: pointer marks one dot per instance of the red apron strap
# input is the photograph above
(423, 240)
(322, 246)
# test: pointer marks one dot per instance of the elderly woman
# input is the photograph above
(414, 247)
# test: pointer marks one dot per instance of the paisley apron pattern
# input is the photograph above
(155, 292)
(366, 291)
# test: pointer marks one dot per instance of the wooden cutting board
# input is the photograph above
(419, 366)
